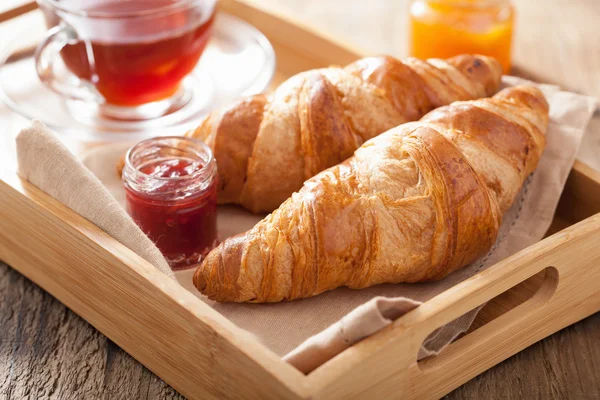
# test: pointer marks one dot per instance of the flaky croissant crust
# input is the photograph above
(267, 146)
(412, 204)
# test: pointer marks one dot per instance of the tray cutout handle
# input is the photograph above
(499, 317)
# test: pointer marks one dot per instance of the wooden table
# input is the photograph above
(46, 351)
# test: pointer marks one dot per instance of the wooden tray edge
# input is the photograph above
(20, 201)
(570, 251)
(86, 281)
(319, 384)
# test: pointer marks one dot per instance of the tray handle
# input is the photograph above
(504, 326)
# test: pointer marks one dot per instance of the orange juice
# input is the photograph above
(445, 28)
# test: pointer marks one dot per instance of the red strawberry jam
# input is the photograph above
(171, 192)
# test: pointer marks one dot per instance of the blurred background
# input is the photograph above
(555, 41)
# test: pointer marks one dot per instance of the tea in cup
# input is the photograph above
(129, 56)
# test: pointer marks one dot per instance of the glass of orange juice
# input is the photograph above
(445, 28)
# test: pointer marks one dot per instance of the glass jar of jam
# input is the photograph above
(171, 193)
(445, 28)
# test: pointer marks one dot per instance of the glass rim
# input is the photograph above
(180, 4)
(204, 173)
(470, 3)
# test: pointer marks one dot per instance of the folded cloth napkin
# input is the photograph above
(44, 161)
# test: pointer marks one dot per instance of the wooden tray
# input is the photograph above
(531, 295)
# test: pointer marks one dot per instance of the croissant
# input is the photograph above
(413, 204)
(266, 147)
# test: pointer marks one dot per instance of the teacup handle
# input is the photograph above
(46, 55)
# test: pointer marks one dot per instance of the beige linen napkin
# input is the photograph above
(44, 161)
(309, 332)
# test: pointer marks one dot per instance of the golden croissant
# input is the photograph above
(266, 147)
(413, 204)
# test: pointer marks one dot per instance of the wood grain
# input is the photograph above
(387, 359)
(36, 359)
(46, 351)
(564, 366)
(377, 367)
(152, 318)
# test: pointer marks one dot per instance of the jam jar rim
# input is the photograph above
(204, 175)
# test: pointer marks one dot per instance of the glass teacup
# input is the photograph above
(126, 59)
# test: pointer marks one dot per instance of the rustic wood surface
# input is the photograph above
(48, 352)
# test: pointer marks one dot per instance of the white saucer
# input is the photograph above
(239, 61)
